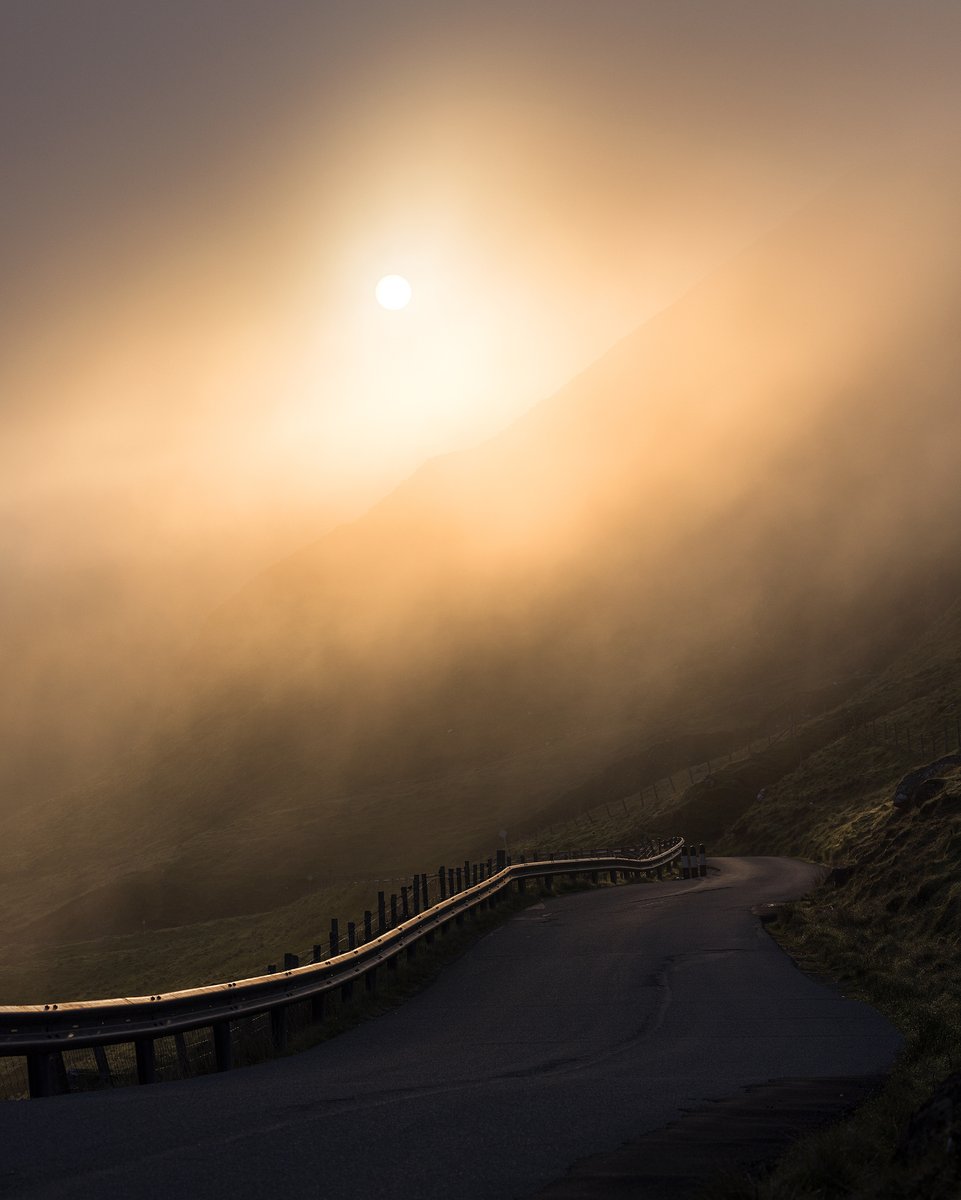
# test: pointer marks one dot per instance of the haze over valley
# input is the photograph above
(660, 455)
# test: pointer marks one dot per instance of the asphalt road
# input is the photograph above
(576, 1026)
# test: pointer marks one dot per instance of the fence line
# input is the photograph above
(119, 1039)
(904, 735)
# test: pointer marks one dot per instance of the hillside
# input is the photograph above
(747, 501)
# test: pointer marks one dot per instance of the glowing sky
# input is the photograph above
(200, 195)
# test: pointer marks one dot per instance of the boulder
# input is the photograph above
(906, 793)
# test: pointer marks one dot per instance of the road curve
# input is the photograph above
(578, 1025)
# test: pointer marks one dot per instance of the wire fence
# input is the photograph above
(943, 737)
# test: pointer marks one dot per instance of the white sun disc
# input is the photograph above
(393, 291)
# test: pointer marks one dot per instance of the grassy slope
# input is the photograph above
(890, 935)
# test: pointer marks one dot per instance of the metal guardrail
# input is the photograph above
(41, 1033)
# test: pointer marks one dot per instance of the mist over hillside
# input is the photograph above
(753, 495)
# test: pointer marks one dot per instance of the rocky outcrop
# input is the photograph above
(922, 784)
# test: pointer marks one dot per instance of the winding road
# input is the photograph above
(575, 1027)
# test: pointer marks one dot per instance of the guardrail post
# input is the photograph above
(404, 903)
(146, 1060)
(291, 962)
(183, 1062)
(490, 867)
(424, 891)
(703, 862)
(460, 879)
(466, 874)
(501, 859)
(368, 925)
(416, 895)
(334, 937)
(612, 875)
(278, 1028)
(549, 882)
(381, 913)
(347, 989)
(318, 1003)
(442, 882)
(450, 881)
(41, 1079)
(103, 1066)
(595, 877)
(223, 1051)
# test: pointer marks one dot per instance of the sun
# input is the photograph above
(393, 292)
